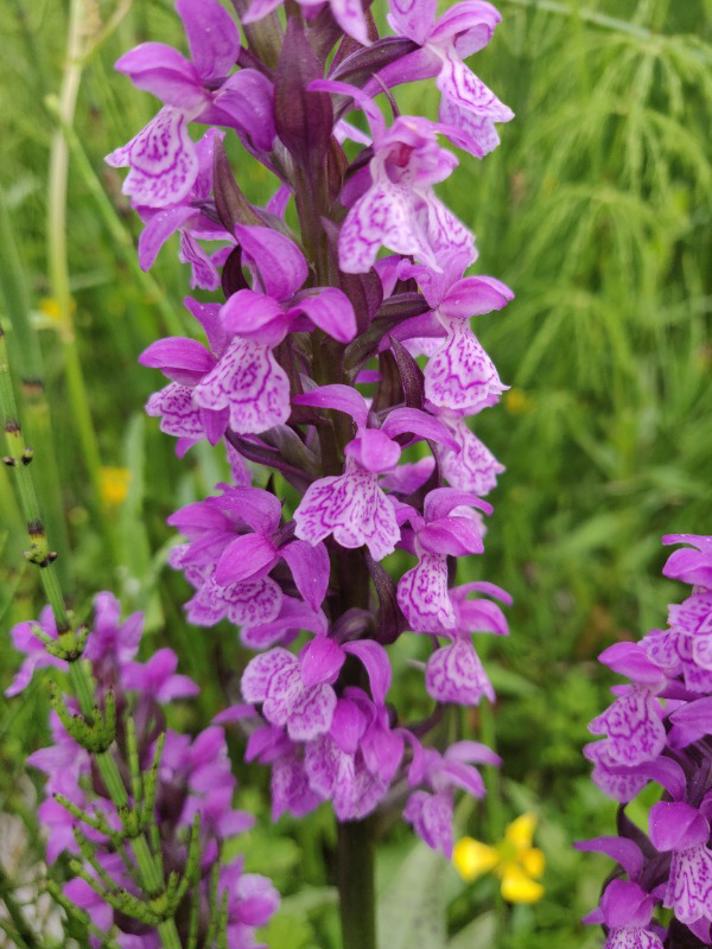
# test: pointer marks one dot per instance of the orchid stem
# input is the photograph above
(356, 869)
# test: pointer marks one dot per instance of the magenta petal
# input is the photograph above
(337, 396)
(157, 231)
(384, 216)
(330, 309)
(423, 595)
(249, 382)
(472, 752)
(412, 18)
(691, 722)
(442, 501)
(417, 422)
(260, 672)
(632, 723)
(183, 360)
(212, 36)
(321, 660)
(470, 465)
(164, 72)
(376, 663)
(174, 406)
(455, 673)
(203, 272)
(353, 508)
(247, 312)
(625, 852)
(177, 687)
(374, 450)
(208, 315)
(473, 296)
(351, 18)
(630, 659)
(348, 726)
(431, 816)
(244, 558)
(677, 826)
(626, 905)
(257, 9)
(310, 568)
(162, 161)
(468, 26)
(246, 102)
(462, 377)
(279, 262)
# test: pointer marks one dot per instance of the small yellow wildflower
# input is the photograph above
(114, 485)
(514, 860)
(517, 402)
(49, 307)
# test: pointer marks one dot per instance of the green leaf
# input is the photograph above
(411, 912)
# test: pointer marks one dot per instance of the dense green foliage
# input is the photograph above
(596, 209)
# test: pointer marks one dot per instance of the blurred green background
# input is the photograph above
(596, 209)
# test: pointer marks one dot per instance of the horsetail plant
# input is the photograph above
(140, 809)
(315, 369)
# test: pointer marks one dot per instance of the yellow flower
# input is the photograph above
(50, 308)
(517, 402)
(514, 860)
(114, 485)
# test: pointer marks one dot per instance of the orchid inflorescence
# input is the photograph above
(311, 370)
(350, 376)
(658, 730)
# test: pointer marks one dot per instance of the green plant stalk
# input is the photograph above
(59, 267)
(19, 458)
(122, 240)
(27, 356)
(357, 890)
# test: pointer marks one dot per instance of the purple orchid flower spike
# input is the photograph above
(454, 672)
(668, 743)
(247, 381)
(349, 14)
(188, 218)
(468, 107)
(304, 324)
(681, 830)
(626, 911)
(352, 506)
(162, 159)
(399, 209)
(448, 527)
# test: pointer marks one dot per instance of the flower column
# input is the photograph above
(312, 369)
